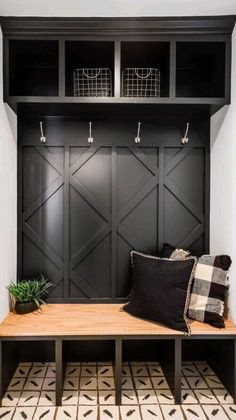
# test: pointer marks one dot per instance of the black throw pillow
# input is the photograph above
(161, 290)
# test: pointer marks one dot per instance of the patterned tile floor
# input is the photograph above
(89, 393)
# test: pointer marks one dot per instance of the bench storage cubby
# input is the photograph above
(93, 322)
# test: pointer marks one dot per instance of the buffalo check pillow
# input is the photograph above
(209, 289)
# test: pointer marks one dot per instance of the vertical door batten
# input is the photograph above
(66, 221)
(161, 199)
(114, 222)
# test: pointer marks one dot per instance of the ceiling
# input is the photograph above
(79, 8)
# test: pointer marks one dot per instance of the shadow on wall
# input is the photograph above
(218, 121)
(12, 122)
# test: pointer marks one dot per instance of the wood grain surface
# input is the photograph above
(93, 320)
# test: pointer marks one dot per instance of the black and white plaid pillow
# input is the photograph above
(174, 253)
(209, 289)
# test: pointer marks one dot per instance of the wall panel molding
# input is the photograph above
(83, 208)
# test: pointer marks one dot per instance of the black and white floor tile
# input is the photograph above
(88, 397)
(127, 382)
(106, 383)
(29, 398)
(142, 382)
(130, 412)
(150, 412)
(155, 371)
(89, 393)
(51, 372)
(105, 371)
(128, 397)
(188, 397)
(11, 398)
(34, 384)
(184, 383)
(197, 382)
(88, 371)
(70, 398)
(164, 396)
(37, 372)
(73, 383)
(44, 413)
(16, 384)
(47, 398)
(193, 412)
(68, 413)
(111, 412)
(106, 397)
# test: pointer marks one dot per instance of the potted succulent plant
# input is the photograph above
(29, 295)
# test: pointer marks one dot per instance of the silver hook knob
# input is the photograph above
(42, 137)
(90, 138)
(137, 138)
(185, 138)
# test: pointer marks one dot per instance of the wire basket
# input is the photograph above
(141, 82)
(92, 82)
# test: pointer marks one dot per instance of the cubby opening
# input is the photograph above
(200, 69)
(88, 55)
(161, 351)
(33, 351)
(89, 350)
(33, 68)
(146, 55)
(211, 350)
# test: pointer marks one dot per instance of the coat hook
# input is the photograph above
(185, 138)
(137, 139)
(90, 138)
(42, 137)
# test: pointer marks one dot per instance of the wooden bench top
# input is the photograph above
(93, 320)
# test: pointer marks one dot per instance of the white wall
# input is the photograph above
(75, 8)
(8, 194)
(223, 183)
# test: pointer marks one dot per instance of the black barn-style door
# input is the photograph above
(84, 208)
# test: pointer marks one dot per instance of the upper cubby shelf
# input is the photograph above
(155, 61)
(33, 68)
(200, 69)
(145, 69)
(89, 68)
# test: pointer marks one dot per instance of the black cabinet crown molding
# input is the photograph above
(118, 26)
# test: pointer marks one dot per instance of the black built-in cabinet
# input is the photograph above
(82, 207)
(192, 54)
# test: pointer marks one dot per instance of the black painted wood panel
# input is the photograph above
(84, 207)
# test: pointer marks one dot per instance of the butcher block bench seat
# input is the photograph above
(61, 322)
(66, 320)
